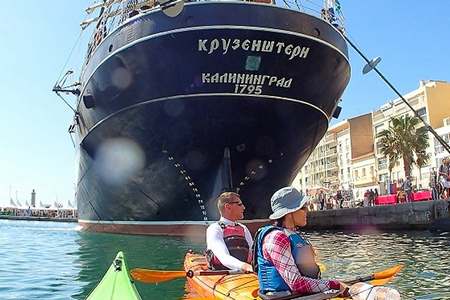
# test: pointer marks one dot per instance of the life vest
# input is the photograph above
(237, 245)
(269, 278)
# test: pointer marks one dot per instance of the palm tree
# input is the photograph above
(421, 161)
(403, 140)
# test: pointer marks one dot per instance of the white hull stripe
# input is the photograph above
(165, 223)
(212, 27)
(206, 95)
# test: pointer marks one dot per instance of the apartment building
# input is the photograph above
(432, 102)
(330, 165)
(349, 156)
(363, 156)
(321, 169)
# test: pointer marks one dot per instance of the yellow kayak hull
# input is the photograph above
(227, 287)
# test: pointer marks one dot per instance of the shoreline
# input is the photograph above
(424, 215)
(30, 218)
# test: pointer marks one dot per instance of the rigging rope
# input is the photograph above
(70, 54)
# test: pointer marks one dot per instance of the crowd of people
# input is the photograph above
(323, 200)
(281, 256)
(440, 180)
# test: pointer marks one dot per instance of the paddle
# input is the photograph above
(378, 278)
(156, 276)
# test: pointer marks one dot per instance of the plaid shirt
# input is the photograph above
(277, 250)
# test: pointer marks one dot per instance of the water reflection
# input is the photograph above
(426, 258)
(97, 250)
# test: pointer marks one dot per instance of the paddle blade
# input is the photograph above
(155, 276)
(322, 267)
(391, 272)
(383, 281)
(383, 277)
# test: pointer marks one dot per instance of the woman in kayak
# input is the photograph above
(284, 259)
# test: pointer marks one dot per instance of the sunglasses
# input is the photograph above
(238, 203)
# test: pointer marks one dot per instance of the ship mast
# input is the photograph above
(332, 13)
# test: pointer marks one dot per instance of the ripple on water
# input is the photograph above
(48, 260)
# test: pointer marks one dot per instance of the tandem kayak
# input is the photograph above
(245, 286)
(116, 284)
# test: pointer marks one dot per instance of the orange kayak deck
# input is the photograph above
(229, 287)
(241, 286)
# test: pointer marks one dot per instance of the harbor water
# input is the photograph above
(48, 260)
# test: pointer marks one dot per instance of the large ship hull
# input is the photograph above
(225, 96)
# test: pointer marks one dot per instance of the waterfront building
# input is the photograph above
(349, 155)
(330, 165)
(439, 151)
(321, 169)
(431, 101)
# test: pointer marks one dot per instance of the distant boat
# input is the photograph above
(176, 104)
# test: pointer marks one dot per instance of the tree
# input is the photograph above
(404, 140)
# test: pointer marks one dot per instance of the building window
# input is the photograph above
(438, 148)
(379, 145)
(364, 172)
(382, 163)
(378, 128)
(446, 121)
(422, 111)
(356, 174)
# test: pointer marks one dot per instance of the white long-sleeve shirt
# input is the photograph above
(215, 243)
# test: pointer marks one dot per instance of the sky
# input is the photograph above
(37, 37)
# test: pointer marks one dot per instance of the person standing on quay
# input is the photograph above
(407, 187)
(321, 199)
(444, 177)
(433, 184)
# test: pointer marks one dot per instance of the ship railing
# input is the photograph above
(112, 13)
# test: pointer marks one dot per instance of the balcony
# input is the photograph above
(361, 181)
(332, 166)
(330, 153)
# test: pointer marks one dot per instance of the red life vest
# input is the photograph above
(237, 245)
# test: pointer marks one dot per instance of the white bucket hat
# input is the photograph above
(286, 200)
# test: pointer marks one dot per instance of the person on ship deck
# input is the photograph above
(228, 242)
(284, 259)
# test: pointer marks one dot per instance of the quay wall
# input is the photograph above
(406, 216)
(29, 218)
(424, 215)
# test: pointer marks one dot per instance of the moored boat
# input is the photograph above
(172, 110)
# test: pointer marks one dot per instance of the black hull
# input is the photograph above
(258, 80)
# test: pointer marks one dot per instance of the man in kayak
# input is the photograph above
(229, 243)
(284, 260)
